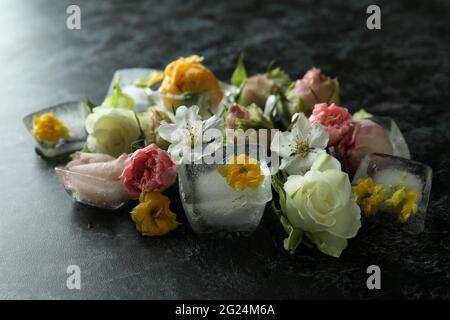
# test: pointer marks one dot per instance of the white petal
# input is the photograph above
(328, 243)
(302, 127)
(318, 138)
(348, 221)
(213, 122)
(166, 131)
(324, 161)
(283, 144)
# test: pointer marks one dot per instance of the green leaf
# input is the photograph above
(240, 73)
(89, 104)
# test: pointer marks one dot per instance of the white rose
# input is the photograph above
(111, 131)
(321, 205)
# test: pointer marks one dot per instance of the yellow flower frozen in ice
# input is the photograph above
(369, 195)
(152, 215)
(404, 202)
(242, 172)
(48, 128)
(189, 76)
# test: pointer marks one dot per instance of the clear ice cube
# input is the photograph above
(127, 79)
(212, 205)
(399, 145)
(395, 171)
(73, 115)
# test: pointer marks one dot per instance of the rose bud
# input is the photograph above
(256, 89)
(315, 87)
(151, 121)
(364, 137)
(335, 119)
(251, 117)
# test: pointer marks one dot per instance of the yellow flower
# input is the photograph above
(404, 202)
(152, 215)
(242, 172)
(189, 76)
(48, 128)
(369, 195)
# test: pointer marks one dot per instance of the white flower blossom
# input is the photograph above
(299, 147)
(190, 137)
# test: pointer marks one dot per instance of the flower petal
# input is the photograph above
(348, 221)
(318, 138)
(282, 143)
(328, 243)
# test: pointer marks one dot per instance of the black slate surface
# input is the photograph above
(401, 71)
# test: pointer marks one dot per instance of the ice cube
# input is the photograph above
(394, 172)
(73, 115)
(127, 81)
(212, 205)
(399, 145)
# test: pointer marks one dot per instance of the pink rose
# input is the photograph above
(149, 169)
(335, 119)
(315, 87)
(234, 113)
(363, 138)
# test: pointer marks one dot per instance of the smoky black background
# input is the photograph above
(401, 71)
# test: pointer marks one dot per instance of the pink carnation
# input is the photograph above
(335, 119)
(364, 137)
(149, 169)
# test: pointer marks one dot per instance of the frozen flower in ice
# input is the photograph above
(364, 137)
(153, 216)
(404, 202)
(48, 128)
(190, 137)
(299, 147)
(242, 172)
(119, 99)
(369, 195)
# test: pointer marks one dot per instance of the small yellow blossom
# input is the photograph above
(190, 76)
(369, 195)
(152, 215)
(242, 172)
(48, 128)
(404, 202)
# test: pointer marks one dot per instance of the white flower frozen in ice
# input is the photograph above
(299, 147)
(190, 137)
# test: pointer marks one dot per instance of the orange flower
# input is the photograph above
(242, 172)
(189, 76)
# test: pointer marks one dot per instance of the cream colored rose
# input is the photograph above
(322, 206)
(111, 131)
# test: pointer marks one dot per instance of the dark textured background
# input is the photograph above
(401, 71)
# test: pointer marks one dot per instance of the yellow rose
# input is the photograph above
(189, 76)
(152, 215)
(48, 128)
